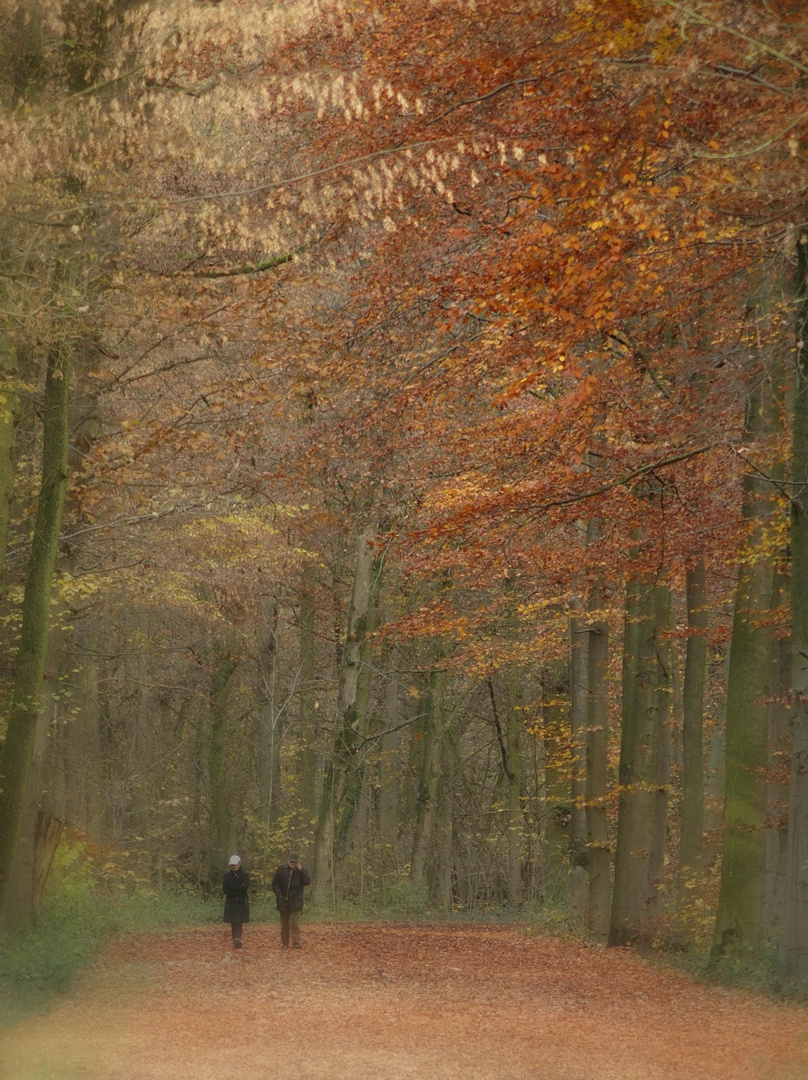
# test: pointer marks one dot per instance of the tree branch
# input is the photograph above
(257, 268)
(697, 16)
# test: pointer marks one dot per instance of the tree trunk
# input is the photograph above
(349, 734)
(47, 835)
(443, 890)
(556, 731)
(513, 775)
(308, 707)
(389, 776)
(18, 750)
(21, 896)
(427, 801)
(663, 692)
(8, 423)
(794, 958)
(268, 719)
(776, 790)
(220, 822)
(597, 760)
(634, 894)
(579, 709)
(692, 824)
(740, 902)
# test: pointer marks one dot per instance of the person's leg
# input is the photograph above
(236, 929)
(294, 928)
(285, 929)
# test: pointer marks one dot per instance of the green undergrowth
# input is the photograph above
(86, 902)
(71, 927)
(536, 918)
(740, 968)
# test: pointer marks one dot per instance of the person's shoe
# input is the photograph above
(296, 945)
(237, 943)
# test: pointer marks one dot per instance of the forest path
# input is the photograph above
(397, 1002)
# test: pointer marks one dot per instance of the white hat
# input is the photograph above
(235, 860)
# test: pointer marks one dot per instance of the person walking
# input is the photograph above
(288, 884)
(235, 884)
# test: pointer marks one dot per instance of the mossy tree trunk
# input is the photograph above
(777, 788)
(18, 750)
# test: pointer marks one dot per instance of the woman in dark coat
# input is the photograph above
(236, 905)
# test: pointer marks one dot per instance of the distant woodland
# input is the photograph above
(404, 454)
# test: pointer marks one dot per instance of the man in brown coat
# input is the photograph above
(288, 884)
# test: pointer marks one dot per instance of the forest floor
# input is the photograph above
(397, 1002)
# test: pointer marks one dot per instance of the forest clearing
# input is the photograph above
(398, 1002)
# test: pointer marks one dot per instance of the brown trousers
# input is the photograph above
(290, 928)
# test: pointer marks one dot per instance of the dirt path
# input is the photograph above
(385, 1002)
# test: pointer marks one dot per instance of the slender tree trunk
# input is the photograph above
(268, 719)
(8, 423)
(579, 709)
(513, 776)
(75, 736)
(428, 787)
(597, 758)
(692, 824)
(443, 890)
(200, 832)
(349, 826)
(663, 694)
(46, 839)
(18, 750)
(389, 776)
(555, 723)
(350, 718)
(220, 822)
(308, 706)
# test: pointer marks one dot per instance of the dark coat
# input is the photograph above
(236, 905)
(288, 887)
